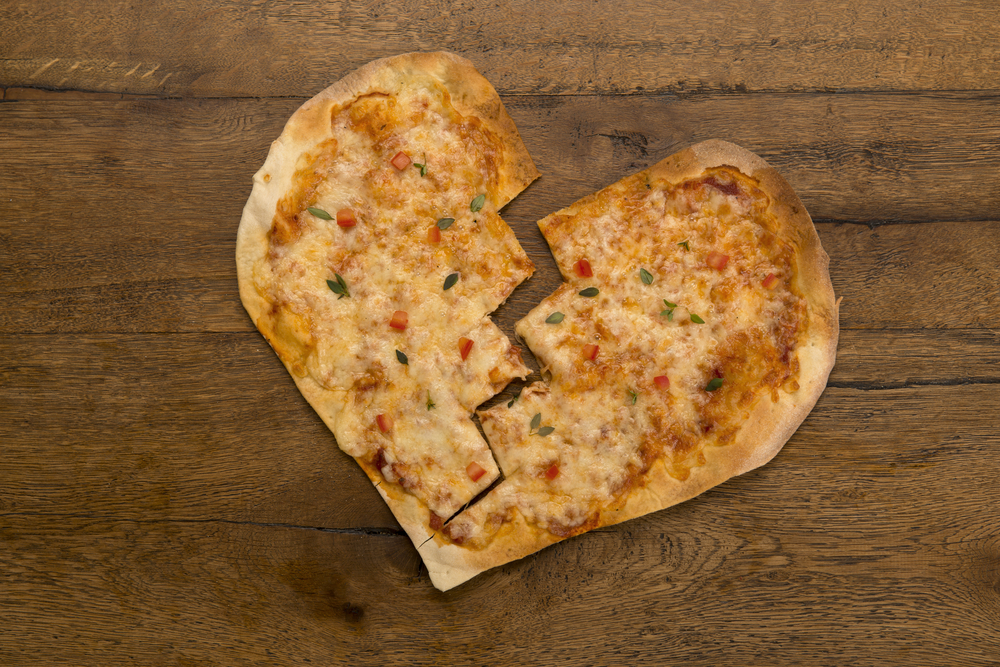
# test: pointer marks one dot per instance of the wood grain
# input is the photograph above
(608, 46)
(851, 544)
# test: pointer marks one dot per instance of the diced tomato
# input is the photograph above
(583, 269)
(384, 423)
(590, 351)
(475, 471)
(662, 381)
(717, 260)
(552, 472)
(399, 320)
(345, 218)
(434, 234)
(770, 281)
(464, 345)
(400, 160)
(436, 522)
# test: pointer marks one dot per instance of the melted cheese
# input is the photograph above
(611, 420)
(345, 345)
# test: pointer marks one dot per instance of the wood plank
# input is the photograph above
(869, 539)
(140, 220)
(187, 427)
(200, 48)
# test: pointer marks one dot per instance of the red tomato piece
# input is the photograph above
(590, 351)
(583, 269)
(384, 423)
(552, 472)
(475, 471)
(464, 346)
(345, 218)
(717, 260)
(400, 160)
(434, 234)
(399, 320)
(770, 282)
(662, 381)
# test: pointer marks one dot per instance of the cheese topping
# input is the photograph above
(679, 272)
(334, 290)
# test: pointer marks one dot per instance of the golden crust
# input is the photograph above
(770, 423)
(471, 95)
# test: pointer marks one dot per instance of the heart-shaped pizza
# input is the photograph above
(695, 329)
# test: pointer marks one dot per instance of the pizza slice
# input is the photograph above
(695, 331)
(369, 255)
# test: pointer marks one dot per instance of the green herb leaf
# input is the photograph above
(320, 213)
(646, 276)
(634, 396)
(590, 291)
(450, 281)
(445, 223)
(422, 168)
(430, 403)
(545, 430)
(516, 395)
(339, 287)
(554, 318)
(713, 384)
(536, 421)
(684, 244)
(696, 319)
(402, 358)
(669, 305)
(477, 204)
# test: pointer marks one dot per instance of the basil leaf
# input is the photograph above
(646, 276)
(450, 281)
(696, 319)
(536, 421)
(320, 213)
(714, 384)
(445, 223)
(554, 318)
(339, 287)
(477, 204)
(545, 430)
(402, 358)
(590, 291)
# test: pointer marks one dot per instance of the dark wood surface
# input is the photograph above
(167, 497)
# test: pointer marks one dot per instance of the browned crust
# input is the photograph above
(472, 95)
(769, 425)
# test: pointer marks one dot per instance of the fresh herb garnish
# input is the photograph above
(320, 213)
(450, 281)
(477, 204)
(713, 384)
(696, 319)
(554, 318)
(430, 403)
(402, 358)
(445, 223)
(421, 167)
(646, 276)
(516, 395)
(668, 304)
(339, 287)
(590, 291)
(669, 312)
(536, 422)
(634, 396)
(684, 244)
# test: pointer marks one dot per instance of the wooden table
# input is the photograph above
(167, 497)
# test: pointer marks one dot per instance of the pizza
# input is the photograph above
(369, 255)
(694, 331)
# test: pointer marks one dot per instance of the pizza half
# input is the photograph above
(694, 332)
